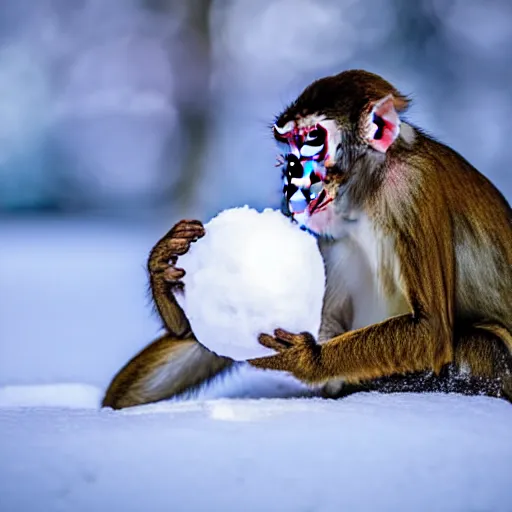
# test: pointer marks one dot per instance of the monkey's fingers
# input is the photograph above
(160, 266)
(294, 340)
(279, 362)
(270, 342)
(276, 362)
(179, 246)
(173, 274)
(188, 231)
(187, 222)
(178, 287)
(187, 225)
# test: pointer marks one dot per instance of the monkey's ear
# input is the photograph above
(383, 125)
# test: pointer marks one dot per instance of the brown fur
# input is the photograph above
(167, 367)
(451, 236)
(347, 94)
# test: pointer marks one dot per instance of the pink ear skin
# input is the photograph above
(384, 124)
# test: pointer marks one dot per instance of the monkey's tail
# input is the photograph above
(165, 368)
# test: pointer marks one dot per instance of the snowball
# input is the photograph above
(251, 273)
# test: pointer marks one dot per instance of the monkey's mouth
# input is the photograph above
(319, 203)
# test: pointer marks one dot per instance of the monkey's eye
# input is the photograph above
(314, 138)
(313, 143)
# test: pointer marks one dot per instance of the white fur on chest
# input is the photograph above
(354, 264)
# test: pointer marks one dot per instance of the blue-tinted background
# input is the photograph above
(118, 117)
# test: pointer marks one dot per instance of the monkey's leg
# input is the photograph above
(165, 368)
(482, 366)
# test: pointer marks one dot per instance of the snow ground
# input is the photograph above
(238, 445)
(368, 452)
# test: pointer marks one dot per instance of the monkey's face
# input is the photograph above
(335, 135)
(310, 145)
(309, 149)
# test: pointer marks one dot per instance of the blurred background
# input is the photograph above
(119, 117)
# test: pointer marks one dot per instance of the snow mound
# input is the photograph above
(251, 273)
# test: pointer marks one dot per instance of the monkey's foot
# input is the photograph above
(298, 354)
(176, 242)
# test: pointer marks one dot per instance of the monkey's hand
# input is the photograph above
(163, 258)
(298, 354)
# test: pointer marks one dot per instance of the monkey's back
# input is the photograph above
(481, 222)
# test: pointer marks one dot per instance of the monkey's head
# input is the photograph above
(336, 123)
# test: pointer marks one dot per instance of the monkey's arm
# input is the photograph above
(176, 362)
(420, 340)
(400, 344)
(165, 277)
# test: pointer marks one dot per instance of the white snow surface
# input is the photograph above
(253, 441)
(51, 395)
(368, 452)
(251, 273)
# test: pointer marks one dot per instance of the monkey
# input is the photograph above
(417, 246)
(417, 249)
